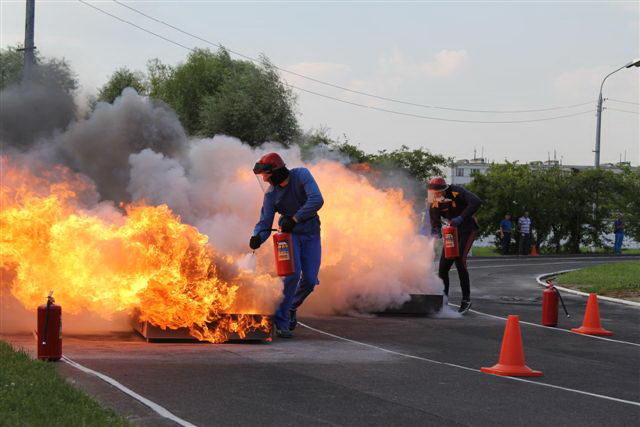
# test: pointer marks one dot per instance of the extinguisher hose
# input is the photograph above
(562, 301)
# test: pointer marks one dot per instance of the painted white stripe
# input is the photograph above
(466, 368)
(522, 265)
(548, 257)
(555, 329)
(154, 406)
(540, 280)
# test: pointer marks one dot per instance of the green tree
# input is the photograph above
(419, 163)
(569, 209)
(214, 94)
(54, 72)
(122, 78)
(504, 189)
(627, 201)
(251, 104)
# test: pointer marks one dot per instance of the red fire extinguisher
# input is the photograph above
(450, 236)
(49, 330)
(283, 248)
(550, 297)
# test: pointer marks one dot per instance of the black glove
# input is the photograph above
(255, 242)
(286, 224)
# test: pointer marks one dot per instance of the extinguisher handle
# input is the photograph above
(268, 229)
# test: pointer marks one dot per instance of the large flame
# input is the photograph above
(95, 258)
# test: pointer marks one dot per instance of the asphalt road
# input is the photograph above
(388, 370)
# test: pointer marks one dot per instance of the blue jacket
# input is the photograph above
(301, 199)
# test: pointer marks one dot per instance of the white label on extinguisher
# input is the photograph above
(283, 251)
(448, 241)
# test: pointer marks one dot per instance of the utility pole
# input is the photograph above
(29, 48)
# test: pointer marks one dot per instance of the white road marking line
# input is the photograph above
(154, 406)
(547, 257)
(555, 329)
(466, 368)
(523, 265)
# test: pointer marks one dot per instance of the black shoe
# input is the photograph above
(293, 322)
(465, 305)
(284, 333)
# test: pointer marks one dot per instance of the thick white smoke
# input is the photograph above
(372, 256)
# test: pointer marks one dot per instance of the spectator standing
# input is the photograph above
(618, 231)
(505, 233)
(524, 224)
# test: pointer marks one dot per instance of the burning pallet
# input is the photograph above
(417, 305)
(153, 333)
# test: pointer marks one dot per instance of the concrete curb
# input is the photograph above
(540, 279)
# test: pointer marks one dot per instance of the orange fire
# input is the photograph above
(95, 258)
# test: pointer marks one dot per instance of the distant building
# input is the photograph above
(461, 170)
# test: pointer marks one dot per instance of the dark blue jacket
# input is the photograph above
(460, 202)
(300, 198)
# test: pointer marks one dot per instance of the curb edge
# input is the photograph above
(541, 277)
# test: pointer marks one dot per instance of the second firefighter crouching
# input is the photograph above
(458, 206)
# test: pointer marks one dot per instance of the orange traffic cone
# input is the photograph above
(534, 251)
(591, 323)
(511, 361)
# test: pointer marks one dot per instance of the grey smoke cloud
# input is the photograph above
(31, 112)
(100, 146)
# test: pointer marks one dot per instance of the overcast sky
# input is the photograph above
(467, 55)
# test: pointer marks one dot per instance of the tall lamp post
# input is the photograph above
(634, 63)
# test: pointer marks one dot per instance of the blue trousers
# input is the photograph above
(617, 248)
(307, 252)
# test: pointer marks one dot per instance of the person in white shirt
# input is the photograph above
(524, 224)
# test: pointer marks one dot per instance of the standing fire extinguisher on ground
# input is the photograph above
(458, 206)
(49, 332)
(295, 195)
(550, 297)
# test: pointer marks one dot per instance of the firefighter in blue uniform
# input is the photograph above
(295, 195)
(458, 206)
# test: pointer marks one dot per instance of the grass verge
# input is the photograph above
(484, 251)
(619, 280)
(33, 393)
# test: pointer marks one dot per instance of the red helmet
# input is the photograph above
(268, 163)
(437, 184)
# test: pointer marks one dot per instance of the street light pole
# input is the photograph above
(634, 63)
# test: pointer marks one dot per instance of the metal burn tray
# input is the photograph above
(153, 333)
(417, 305)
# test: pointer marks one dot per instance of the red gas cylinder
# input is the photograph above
(450, 236)
(49, 330)
(283, 248)
(550, 298)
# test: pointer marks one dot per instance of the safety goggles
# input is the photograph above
(437, 187)
(261, 168)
